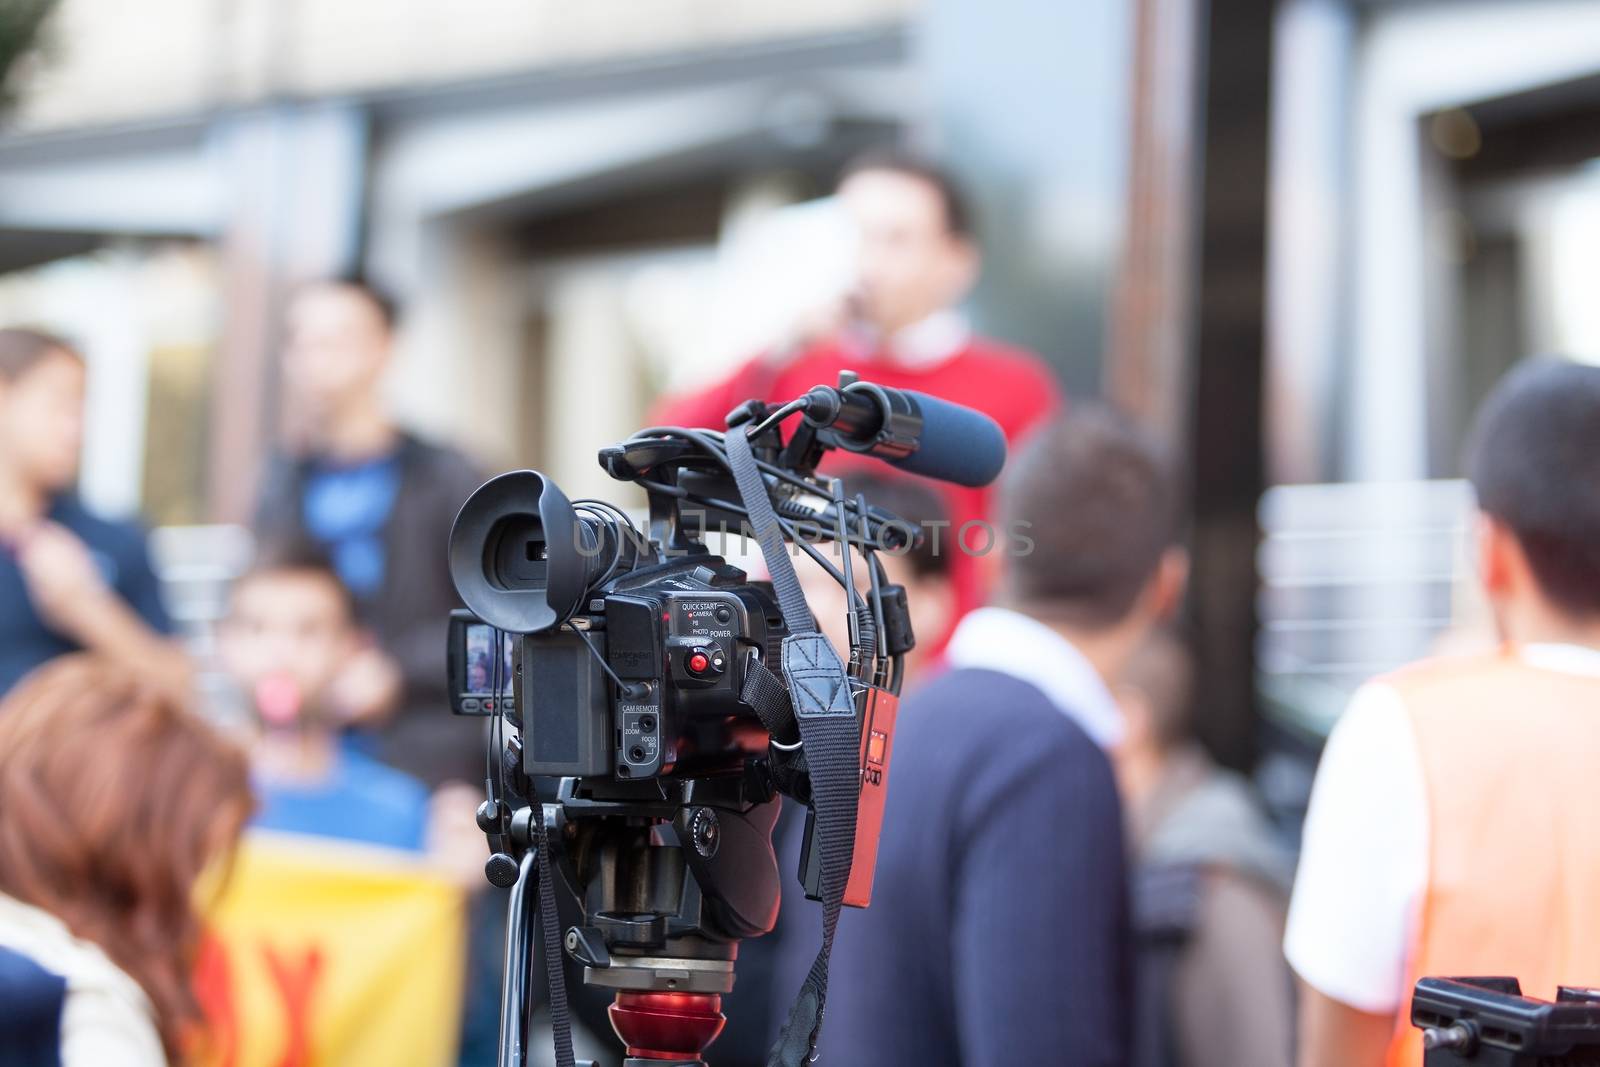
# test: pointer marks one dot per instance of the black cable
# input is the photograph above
(605, 520)
(787, 525)
(497, 686)
(714, 445)
(877, 576)
(792, 407)
(627, 689)
(605, 505)
(861, 649)
(488, 759)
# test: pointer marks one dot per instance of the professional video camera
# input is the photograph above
(1487, 1022)
(675, 699)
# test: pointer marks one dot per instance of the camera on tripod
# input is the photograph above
(590, 604)
(675, 699)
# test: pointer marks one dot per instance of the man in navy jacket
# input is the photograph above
(998, 931)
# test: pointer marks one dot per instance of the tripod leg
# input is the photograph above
(518, 962)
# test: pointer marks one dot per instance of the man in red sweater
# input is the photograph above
(899, 326)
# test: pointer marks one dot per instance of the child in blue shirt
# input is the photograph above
(291, 627)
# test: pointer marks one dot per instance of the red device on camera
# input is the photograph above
(878, 710)
(877, 745)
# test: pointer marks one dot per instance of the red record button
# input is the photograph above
(699, 662)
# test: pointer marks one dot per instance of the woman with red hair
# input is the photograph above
(113, 804)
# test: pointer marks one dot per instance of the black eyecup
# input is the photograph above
(528, 499)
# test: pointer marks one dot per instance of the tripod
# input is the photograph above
(670, 878)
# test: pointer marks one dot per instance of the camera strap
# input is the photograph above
(550, 928)
(824, 709)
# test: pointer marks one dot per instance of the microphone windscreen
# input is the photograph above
(957, 444)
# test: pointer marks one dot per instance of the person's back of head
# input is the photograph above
(290, 629)
(1534, 461)
(1092, 506)
(115, 802)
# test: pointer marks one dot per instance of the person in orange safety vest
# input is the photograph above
(1451, 829)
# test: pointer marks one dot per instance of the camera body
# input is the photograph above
(630, 655)
(680, 635)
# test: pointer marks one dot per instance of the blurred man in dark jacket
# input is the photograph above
(998, 932)
(1210, 885)
(379, 501)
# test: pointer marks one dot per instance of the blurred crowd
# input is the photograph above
(1065, 875)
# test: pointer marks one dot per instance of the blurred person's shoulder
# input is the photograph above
(106, 1016)
(384, 783)
(96, 530)
(977, 713)
(1013, 385)
(975, 743)
(38, 935)
(437, 459)
(1447, 669)
(776, 378)
(1008, 360)
(117, 545)
(387, 796)
(436, 476)
(1214, 817)
(1450, 684)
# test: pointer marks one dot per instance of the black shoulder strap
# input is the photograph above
(825, 711)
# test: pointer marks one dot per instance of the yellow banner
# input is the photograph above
(330, 954)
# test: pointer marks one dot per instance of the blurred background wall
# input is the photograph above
(555, 192)
(1299, 237)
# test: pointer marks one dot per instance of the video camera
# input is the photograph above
(593, 604)
(1487, 1022)
(674, 699)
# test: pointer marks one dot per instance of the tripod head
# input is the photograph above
(668, 879)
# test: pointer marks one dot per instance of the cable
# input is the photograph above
(605, 505)
(631, 690)
(606, 522)
(713, 445)
(793, 406)
(498, 734)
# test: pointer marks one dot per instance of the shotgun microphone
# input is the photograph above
(913, 431)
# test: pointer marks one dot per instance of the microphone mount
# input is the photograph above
(854, 416)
